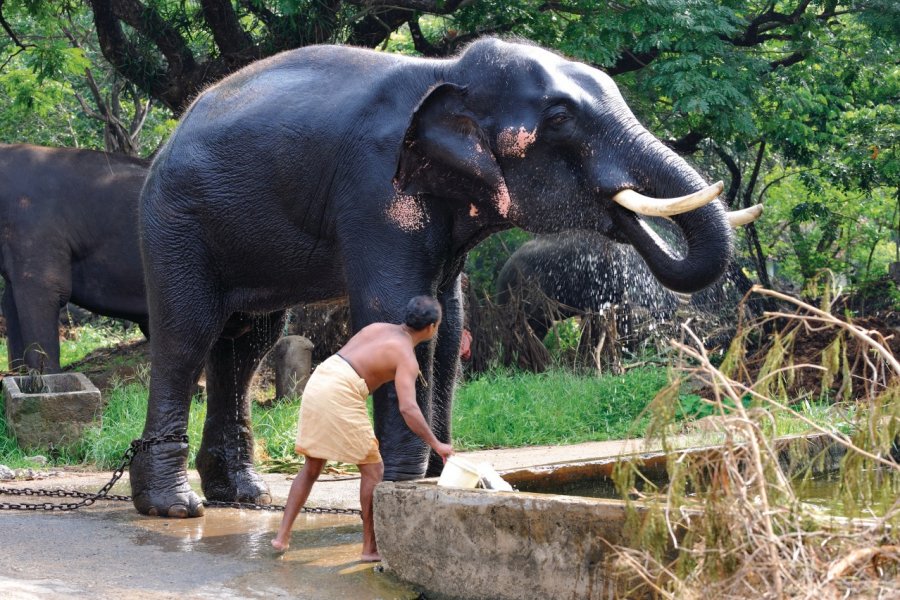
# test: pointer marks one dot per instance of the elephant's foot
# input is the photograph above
(226, 481)
(159, 483)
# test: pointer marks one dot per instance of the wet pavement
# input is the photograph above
(110, 551)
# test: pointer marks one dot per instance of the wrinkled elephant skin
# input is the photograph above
(68, 233)
(334, 172)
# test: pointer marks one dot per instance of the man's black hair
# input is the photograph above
(421, 312)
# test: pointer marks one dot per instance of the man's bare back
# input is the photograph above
(379, 351)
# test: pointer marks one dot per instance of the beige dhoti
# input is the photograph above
(334, 423)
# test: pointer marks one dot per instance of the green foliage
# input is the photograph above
(484, 262)
(812, 224)
(42, 79)
(563, 337)
(691, 406)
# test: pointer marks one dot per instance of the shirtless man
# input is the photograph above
(334, 423)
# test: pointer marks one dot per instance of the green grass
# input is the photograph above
(85, 339)
(495, 410)
(509, 409)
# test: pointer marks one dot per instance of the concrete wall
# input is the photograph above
(467, 544)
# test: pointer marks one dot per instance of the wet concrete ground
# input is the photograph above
(110, 551)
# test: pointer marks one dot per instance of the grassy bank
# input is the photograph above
(502, 409)
(497, 409)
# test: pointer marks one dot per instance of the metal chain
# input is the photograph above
(136, 446)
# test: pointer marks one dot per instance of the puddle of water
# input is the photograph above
(323, 555)
(825, 494)
(223, 555)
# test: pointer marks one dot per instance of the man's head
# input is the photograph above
(422, 313)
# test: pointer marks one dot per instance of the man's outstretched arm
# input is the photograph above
(405, 382)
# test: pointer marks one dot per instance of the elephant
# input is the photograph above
(587, 272)
(330, 172)
(68, 232)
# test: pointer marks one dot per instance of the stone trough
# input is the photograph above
(546, 540)
(50, 410)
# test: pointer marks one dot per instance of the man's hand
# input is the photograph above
(444, 450)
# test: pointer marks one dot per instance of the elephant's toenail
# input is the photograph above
(153, 512)
(178, 511)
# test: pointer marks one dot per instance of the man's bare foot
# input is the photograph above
(369, 557)
(279, 546)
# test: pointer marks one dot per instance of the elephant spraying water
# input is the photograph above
(334, 172)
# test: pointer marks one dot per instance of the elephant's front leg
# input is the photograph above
(225, 458)
(34, 324)
(446, 368)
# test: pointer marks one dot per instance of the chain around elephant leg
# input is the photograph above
(159, 482)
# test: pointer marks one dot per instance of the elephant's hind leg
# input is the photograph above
(225, 458)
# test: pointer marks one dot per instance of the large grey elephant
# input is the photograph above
(330, 172)
(68, 232)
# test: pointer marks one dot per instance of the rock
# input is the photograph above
(6, 473)
(56, 414)
(293, 365)
(26, 474)
(37, 460)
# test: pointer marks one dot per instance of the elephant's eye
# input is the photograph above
(558, 119)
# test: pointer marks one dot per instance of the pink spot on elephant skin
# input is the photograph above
(473, 211)
(501, 197)
(511, 142)
(407, 213)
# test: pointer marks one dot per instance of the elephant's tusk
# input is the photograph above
(736, 218)
(666, 207)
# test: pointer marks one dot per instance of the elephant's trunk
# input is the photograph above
(706, 230)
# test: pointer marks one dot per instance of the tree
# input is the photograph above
(755, 91)
(58, 86)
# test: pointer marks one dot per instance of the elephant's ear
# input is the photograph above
(445, 152)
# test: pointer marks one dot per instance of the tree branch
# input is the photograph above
(269, 19)
(629, 61)
(127, 60)
(435, 7)
(149, 23)
(226, 30)
(421, 44)
(731, 164)
(9, 31)
(798, 56)
(377, 26)
(687, 144)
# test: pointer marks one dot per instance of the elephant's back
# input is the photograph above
(298, 92)
(45, 185)
(281, 135)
